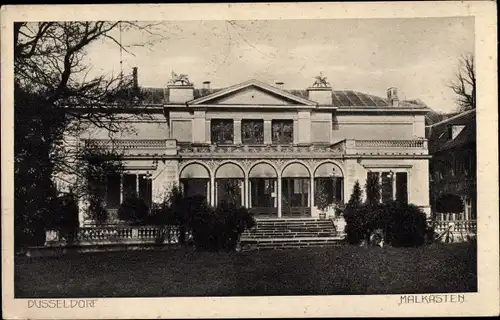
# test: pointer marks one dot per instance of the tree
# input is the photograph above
(464, 84)
(55, 98)
(321, 198)
(372, 189)
(355, 199)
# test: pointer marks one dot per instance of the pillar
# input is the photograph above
(246, 192)
(237, 131)
(121, 187)
(242, 192)
(211, 189)
(137, 185)
(311, 192)
(278, 192)
(267, 132)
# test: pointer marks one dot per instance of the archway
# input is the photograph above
(262, 198)
(329, 181)
(229, 181)
(295, 190)
(195, 180)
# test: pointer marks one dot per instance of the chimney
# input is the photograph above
(206, 85)
(392, 96)
(279, 84)
(134, 76)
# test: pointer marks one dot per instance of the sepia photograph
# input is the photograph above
(223, 158)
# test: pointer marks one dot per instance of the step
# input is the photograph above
(292, 221)
(294, 227)
(290, 235)
(293, 247)
(299, 239)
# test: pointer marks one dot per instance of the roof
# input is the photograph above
(433, 117)
(340, 98)
(438, 133)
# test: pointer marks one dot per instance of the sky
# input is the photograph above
(418, 56)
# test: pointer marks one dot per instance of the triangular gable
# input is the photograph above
(252, 92)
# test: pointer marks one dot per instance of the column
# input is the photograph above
(237, 131)
(121, 188)
(199, 122)
(211, 189)
(267, 132)
(246, 192)
(278, 192)
(137, 185)
(311, 192)
(242, 192)
(208, 136)
(249, 193)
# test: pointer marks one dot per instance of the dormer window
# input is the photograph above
(454, 131)
(222, 131)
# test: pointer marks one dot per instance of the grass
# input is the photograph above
(316, 271)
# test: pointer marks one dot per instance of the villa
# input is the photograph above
(276, 145)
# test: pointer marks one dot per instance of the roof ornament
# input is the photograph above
(321, 81)
(181, 78)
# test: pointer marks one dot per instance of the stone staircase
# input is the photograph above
(290, 233)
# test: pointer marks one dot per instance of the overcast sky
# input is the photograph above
(418, 56)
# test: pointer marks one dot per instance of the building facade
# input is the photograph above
(273, 147)
(452, 144)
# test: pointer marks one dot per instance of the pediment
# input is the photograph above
(252, 93)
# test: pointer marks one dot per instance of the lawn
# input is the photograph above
(318, 271)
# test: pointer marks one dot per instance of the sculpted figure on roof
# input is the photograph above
(181, 78)
(320, 81)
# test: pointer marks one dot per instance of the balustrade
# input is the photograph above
(265, 148)
(110, 234)
(416, 144)
(460, 226)
(131, 143)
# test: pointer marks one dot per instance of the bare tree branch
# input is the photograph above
(464, 84)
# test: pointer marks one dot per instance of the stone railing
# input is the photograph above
(213, 149)
(126, 144)
(109, 235)
(415, 144)
(464, 226)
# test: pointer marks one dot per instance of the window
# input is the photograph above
(386, 186)
(332, 187)
(113, 191)
(402, 187)
(393, 185)
(252, 131)
(222, 131)
(117, 188)
(282, 131)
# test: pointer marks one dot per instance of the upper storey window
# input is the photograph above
(222, 131)
(282, 131)
(252, 131)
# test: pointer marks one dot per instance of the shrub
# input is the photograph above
(65, 213)
(407, 225)
(402, 224)
(217, 228)
(97, 212)
(134, 210)
(354, 215)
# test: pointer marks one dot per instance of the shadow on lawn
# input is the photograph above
(345, 270)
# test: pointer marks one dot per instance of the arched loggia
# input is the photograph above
(229, 184)
(295, 190)
(195, 180)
